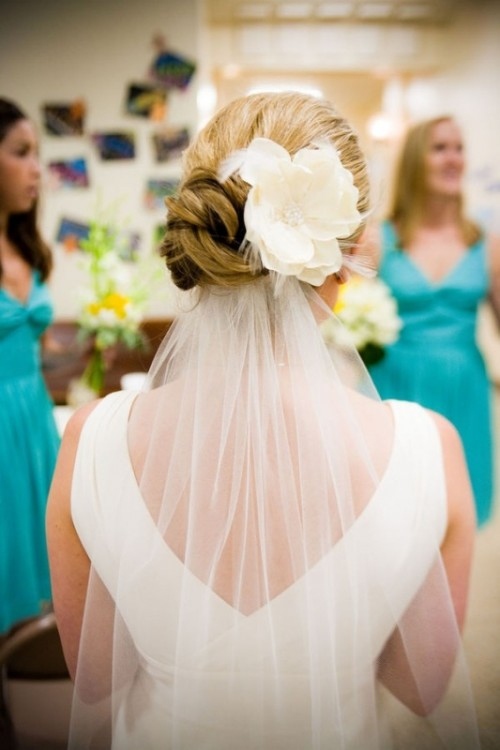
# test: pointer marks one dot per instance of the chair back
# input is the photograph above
(35, 686)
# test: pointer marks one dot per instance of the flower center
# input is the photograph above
(292, 215)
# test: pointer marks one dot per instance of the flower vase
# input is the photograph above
(93, 375)
(90, 385)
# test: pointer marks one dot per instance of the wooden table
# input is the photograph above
(62, 367)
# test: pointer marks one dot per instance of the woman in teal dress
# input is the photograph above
(28, 435)
(440, 268)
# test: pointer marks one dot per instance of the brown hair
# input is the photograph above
(409, 190)
(205, 225)
(22, 228)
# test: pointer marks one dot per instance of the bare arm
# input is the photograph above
(494, 263)
(69, 564)
(435, 658)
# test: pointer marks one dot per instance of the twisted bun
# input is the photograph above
(205, 226)
(205, 230)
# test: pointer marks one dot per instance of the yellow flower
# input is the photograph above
(114, 301)
(340, 304)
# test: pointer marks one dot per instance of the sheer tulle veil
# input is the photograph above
(248, 583)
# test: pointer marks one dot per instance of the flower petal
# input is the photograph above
(287, 244)
(298, 207)
(262, 157)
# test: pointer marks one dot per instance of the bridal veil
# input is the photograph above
(264, 536)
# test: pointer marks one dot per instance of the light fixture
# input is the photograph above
(382, 127)
(253, 11)
(333, 10)
(206, 100)
(414, 12)
(231, 70)
(374, 11)
(293, 11)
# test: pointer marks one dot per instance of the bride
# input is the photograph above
(254, 550)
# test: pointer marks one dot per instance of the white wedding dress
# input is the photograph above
(398, 529)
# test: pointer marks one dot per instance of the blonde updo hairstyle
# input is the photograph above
(205, 226)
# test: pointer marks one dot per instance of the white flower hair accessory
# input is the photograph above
(297, 208)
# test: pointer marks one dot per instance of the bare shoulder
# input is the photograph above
(447, 431)
(459, 490)
(493, 249)
(451, 443)
(78, 418)
(493, 241)
(60, 490)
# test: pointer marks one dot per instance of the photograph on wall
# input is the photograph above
(144, 100)
(157, 191)
(115, 146)
(68, 173)
(169, 143)
(171, 70)
(71, 233)
(64, 118)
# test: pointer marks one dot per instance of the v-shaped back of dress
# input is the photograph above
(393, 540)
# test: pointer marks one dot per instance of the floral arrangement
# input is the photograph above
(297, 208)
(114, 301)
(369, 316)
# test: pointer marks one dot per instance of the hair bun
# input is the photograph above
(205, 230)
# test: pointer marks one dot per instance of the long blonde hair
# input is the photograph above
(409, 191)
(205, 224)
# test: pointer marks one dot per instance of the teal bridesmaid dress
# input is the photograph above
(436, 361)
(29, 442)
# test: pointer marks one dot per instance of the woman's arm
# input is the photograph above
(69, 564)
(493, 245)
(421, 683)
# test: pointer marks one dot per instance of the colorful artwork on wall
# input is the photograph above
(115, 146)
(169, 143)
(64, 118)
(172, 70)
(144, 100)
(68, 173)
(157, 191)
(71, 233)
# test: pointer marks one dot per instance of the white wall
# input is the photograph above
(62, 50)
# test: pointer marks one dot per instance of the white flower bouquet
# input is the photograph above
(369, 316)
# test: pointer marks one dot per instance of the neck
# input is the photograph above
(441, 211)
(6, 247)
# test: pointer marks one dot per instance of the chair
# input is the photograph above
(35, 687)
